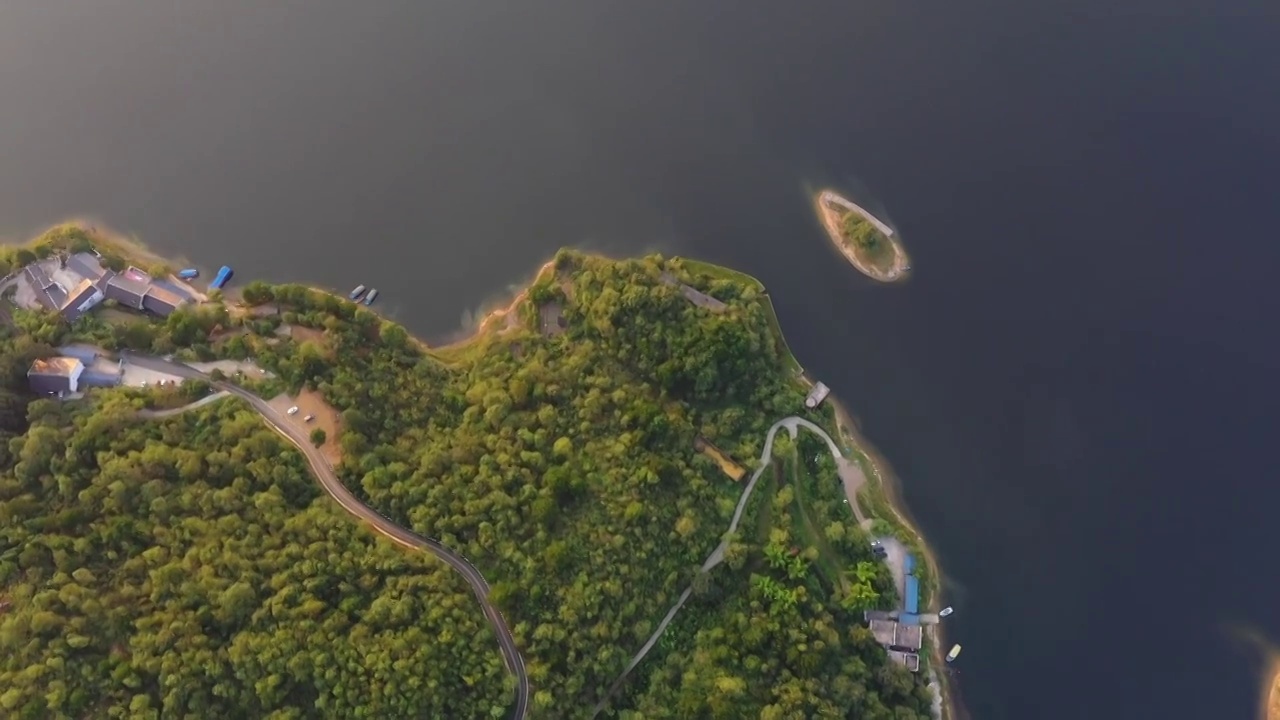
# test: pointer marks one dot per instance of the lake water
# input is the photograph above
(1075, 387)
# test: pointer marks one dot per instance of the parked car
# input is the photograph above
(293, 410)
(309, 418)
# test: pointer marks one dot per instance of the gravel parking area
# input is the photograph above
(135, 376)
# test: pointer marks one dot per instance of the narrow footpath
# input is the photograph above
(325, 475)
(850, 474)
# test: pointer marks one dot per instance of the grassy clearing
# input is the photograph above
(829, 561)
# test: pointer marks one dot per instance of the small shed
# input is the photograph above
(819, 393)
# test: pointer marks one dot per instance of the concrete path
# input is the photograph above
(158, 414)
(792, 424)
(834, 199)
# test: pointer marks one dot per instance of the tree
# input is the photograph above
(317, 437)
(257, 293)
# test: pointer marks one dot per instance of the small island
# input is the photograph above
(866, 242)
(270, 501)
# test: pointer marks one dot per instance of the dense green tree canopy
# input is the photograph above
(558, 456)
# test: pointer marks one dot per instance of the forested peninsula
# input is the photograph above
(585, 453)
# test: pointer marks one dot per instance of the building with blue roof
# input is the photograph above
(911, 603)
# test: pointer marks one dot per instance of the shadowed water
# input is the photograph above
(1075, 387)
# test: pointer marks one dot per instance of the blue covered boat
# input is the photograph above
(221, 279)
(188, 273)
(373, 295)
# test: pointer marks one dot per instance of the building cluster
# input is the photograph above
(901, 633)
(73, 285)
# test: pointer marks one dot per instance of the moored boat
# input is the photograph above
(221, 278)
(373, 295)
(355, 294)
(188, 273)
(955, 653)
(946, 611)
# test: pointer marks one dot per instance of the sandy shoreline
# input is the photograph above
(831, 223)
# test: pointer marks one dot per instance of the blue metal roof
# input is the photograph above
(909, 564)
(911, 603)
(908, 619)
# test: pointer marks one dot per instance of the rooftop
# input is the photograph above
(86, 266)
(54, 366)
(817, 395)
(910, 660)
(909, 636)
(129, 285)
(884, 631)
(166, 296)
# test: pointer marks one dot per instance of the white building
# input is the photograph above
(55, 375)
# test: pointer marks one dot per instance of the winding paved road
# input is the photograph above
(850, 475)
(382, 525)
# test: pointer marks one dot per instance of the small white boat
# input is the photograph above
(946, 611)
(955, 653)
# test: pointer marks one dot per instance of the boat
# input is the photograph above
(221, 278)
(955, 653)
(946, 611)
(188, 273)
(355, 294)
(373, 295)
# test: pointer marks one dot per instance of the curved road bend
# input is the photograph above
(329, 481)
(850, 475)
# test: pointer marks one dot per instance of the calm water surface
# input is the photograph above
(1076, 386)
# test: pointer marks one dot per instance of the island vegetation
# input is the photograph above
(865, 242)
(189, 567)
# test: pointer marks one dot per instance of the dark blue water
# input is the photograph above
(1075, 387)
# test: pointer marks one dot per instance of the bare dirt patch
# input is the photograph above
(552, 319)
(306, 334)
(312, 403)
(726, 463)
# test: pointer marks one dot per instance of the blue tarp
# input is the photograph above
(912, 601)
(909, 564)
